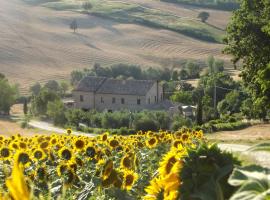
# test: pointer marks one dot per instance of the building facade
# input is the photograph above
(102, 93)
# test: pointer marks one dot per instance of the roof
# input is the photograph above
(114, 86)
(90, 84)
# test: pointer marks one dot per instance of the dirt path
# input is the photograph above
(49, 127)
(260, 157)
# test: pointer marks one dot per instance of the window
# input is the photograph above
(149, 100)
(155, 98)
(81, 98)
(113, 100)
(122, 101)
(101, 100)
(139, 101)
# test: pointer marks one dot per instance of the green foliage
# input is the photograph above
(52, 85)
(39, 103)
(179, 122)
(193, 69)
(205, 174)
(248, 40)
(225, 124)
(231, 104)
(8, 95)
(184, 97)
(253, 182)
(123, 120)
(56, 112)
(145, 124)
(35, 89)
(214, 65)
(25, 107)
(76, 76)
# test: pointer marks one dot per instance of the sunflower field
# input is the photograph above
(147, 165)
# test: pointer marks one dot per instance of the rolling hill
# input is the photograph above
(37, 45)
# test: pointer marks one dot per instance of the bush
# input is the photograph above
(145, 124)
(213, 126)
(179, 122)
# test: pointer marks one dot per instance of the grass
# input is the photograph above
(133, 13)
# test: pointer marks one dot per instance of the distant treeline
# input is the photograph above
(228, 5)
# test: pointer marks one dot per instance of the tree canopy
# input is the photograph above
(248, 40)
(8, 94)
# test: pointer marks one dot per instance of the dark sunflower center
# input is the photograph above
(66, 154)
(23, 158)
(152, 141)
(170, 164)
(126, 162)
(38, 154)
(79, 144)
(114, 143)
(5, 152)
(129, 179)
(90, 151)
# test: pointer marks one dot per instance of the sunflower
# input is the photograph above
(53, 141)
(167, 163)
(171, 186)
(90, 151)
(104, 136)
(111, 179)
(22, 157)
(69, 131)
(14, 145)
(5, 153)
(79, 144)
(176, 143)
(61, 168)
(185, 137)
(65, 153)
(155, 190)
(17, 185)
(39, 155)
(152, 142)
(113, 143)
(107, 170)
(44, 145)
(126, 162)
(130, 177)
(22, 145)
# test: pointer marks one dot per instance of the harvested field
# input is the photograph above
(253, 134)
(8, 128)
(37, 44)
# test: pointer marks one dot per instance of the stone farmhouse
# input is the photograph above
(101, 93)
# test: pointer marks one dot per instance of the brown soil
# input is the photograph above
(8, 128)
(253, 134)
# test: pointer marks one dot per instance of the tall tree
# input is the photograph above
(248, 40)
(25, 107)
(8, 95)
(35, 89)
